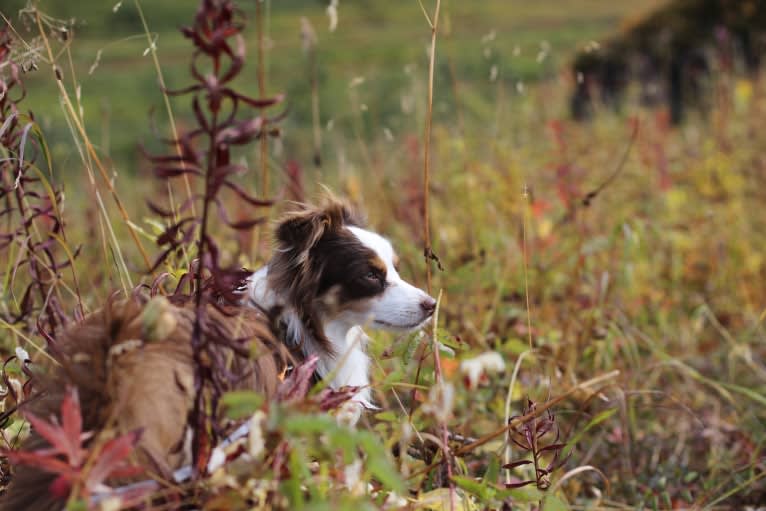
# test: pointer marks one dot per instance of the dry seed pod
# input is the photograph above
(157, 320)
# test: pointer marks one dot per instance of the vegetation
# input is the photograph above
(602, 287)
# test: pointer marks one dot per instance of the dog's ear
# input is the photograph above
(301, 230)
(293, 273)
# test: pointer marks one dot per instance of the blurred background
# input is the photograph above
(598, 178)
(369, 69)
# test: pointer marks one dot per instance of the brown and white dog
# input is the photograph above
(132, 360)
(328, 278)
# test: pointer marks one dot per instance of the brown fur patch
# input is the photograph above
(377, 263)
(126, 382)
(295, 270)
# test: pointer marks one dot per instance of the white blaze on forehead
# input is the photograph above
(400, 306)
(377, 243)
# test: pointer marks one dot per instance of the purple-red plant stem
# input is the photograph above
(198, 343)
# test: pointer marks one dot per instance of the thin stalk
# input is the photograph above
(122, 268)
(525, 263)
(427, 146)
(427, 252)
(172, 120)
(315, 122)
(440, 382)
(198, 343)
(264, 142)
(90, 149)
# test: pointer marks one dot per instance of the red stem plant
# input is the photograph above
(30, 207)
(205, 156)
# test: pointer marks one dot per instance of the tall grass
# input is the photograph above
(639, 252)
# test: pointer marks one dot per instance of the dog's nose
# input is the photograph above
(428, 305)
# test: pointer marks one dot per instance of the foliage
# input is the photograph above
(87, 468)
(217, 60)
(618, 265)
(34, 228)
(528, 436)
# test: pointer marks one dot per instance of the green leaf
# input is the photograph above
(553, 503)
(493, 470)
(241, 403)
(598, 419)
(524, 495)
(690, 477)
(77, 505)
(515, 346)
(378, 463)
(755, 396)
(304, 424)
(387, 416)
(384, 471)
(474, 487)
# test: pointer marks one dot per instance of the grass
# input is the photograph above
(122, 90)
(655, 289)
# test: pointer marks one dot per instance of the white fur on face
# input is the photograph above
(399, 307)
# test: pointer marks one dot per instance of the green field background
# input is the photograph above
(382, 43)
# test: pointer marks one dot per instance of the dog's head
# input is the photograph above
(328, 268)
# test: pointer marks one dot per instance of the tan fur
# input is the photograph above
(128, 378)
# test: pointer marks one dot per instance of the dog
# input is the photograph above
(329, 277)
(132, 361)
(132, 365)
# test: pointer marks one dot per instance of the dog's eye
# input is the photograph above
(372, 276)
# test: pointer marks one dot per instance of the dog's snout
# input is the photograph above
(428, 305)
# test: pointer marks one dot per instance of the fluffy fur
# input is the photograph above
(328, 278)
(131, 372)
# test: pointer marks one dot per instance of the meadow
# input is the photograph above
(616, 266)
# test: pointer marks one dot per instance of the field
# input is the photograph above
(616, 266)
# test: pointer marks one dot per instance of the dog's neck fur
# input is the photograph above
(347, 363)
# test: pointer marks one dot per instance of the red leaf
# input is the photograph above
(553, 447)
(330, 399)
(112, 458)
(60, 487)
(516, 464)
(56, 436)
(297, 384)
(518, 485)
(71, 419)
(247, 197)
(173, 171)
(40, 459)
(261, 103)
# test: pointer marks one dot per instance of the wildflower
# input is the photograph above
(352, 475)
(474, 369)
(441, 400)
(22, 354)
(255, 441)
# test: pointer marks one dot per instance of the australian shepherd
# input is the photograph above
(327, 280)
(132, 361)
